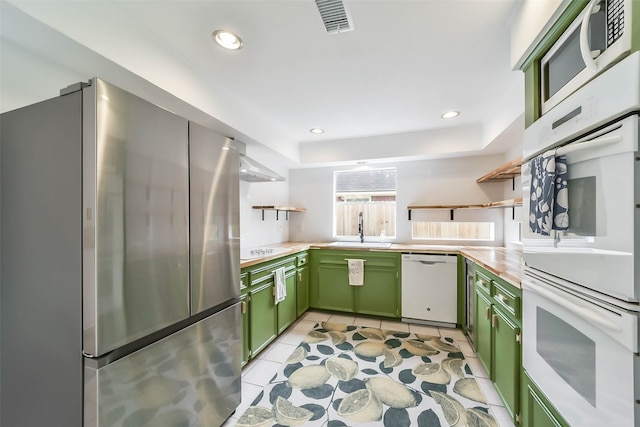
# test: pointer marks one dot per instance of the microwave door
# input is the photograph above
(570, 62)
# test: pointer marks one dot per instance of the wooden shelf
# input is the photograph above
(279, 209)
(504, 172)
(510, 203)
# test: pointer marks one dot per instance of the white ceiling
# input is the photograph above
(406, 63)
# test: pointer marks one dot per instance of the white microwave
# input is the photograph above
(598, 38)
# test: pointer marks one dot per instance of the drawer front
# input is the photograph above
(264, 272)
(244, 281)
(506, 299)
(483, 282)
(303, 259)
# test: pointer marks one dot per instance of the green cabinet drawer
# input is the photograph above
(507, 300)
(303, 259)
(483, 281)
(262, 273)
(244, 280)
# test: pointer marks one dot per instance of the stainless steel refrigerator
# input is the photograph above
(119, 265)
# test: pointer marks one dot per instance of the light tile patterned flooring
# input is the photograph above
(257, 373)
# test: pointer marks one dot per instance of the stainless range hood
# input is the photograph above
(253, 171)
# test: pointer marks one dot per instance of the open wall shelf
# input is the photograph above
(510, 203)
(507, 171)
(279, 209)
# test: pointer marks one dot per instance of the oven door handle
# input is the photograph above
(592, 143)
(576, 306)
(585, 49)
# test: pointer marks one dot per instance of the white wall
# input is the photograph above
(425, 182)
(529, 24)
(254, 231)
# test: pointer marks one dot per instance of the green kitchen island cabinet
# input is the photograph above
(498, 342)
(330, 289)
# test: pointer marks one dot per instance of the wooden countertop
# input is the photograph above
(281, 249)
(503, 262)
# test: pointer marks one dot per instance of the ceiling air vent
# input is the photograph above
(335, 16)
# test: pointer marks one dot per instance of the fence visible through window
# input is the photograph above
(372, 192)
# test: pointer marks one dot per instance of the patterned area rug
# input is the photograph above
(346, 375)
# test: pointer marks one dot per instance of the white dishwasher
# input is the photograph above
(429, 289)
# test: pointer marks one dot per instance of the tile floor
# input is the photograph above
(257, 373)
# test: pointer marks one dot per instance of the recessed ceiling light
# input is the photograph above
(450, 114)
(316, 131)
(227, 39)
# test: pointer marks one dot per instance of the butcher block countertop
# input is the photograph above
(505, 263)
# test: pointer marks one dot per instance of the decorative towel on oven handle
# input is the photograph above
(549, 194)
(281, 286)
(356, 271)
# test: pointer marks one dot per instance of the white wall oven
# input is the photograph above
(581, 352)
(581, 288)
(596, 39)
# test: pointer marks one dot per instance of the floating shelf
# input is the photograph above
(507, 171)
(279, 209)
(510, 203)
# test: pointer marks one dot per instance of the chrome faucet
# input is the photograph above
(361, 226)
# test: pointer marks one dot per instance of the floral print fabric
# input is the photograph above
(549, 195)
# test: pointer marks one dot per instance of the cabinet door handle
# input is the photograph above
(243, 307)
(488, 313)
(299, 276)
(494, 320)
(502, 298)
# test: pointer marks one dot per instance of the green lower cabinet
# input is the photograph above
(379, 295)
(263, 325)
(537, 411)
(329, 287)
(333, 291)
(287, 313)
(498, 342)
(244, 308)
(506, 360)
(302, 290)
(483, 330)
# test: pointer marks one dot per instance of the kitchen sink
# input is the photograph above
(365, 245)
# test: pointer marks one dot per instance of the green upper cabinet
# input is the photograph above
(330, 289)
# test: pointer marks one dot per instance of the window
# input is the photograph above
(438, 230)
(372, 192)
(467, 225)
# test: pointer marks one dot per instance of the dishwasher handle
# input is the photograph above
(431, 262)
